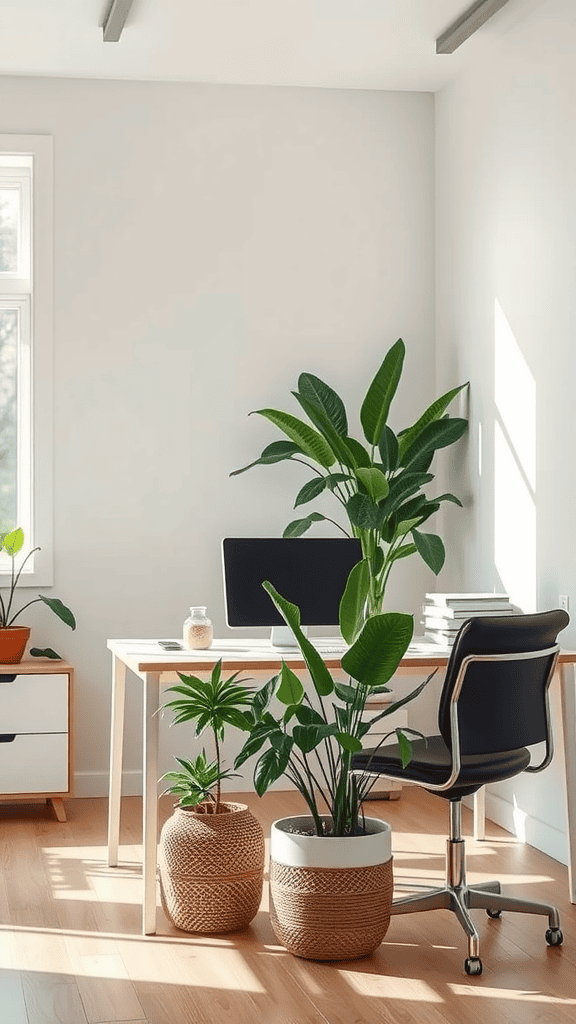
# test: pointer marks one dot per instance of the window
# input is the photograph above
(26, 348)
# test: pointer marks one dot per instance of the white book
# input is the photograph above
(438, 619)
(446, 626)
(470, 602)
(439, 639)
(459, 614)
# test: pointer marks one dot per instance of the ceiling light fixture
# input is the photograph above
(115, 20)
(467, 24)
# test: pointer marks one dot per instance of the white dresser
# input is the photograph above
(36, 732)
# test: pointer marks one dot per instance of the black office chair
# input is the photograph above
(494, 704)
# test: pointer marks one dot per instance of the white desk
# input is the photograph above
(154, 667)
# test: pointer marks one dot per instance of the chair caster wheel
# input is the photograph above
(473, 965)
(554, 937)
(494, 913)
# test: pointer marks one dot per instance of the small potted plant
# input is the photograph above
(330, 870)
(211, 855)
(13, 639)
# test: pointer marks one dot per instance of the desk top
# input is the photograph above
(143, 656)
(147, 656)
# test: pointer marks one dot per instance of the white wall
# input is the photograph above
(211, 243)
(506, 265)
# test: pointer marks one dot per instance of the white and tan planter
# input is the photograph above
(330, 899)
(211, 868)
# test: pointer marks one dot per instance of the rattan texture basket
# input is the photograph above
(211, 868)
(330, 913)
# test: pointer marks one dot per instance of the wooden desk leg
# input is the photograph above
(480, 814)
(116, 742)
(568, 695)
(150, 801)
(58, 807)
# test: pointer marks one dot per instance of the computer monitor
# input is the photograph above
(309, 572)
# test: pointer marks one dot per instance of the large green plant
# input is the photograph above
(380, 484)
(311, 738)
(212, 704)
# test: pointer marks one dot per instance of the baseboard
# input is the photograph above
(530, 830)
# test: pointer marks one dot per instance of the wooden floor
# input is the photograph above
(71, 951)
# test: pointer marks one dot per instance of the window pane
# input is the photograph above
(9, 329)
(9, 210)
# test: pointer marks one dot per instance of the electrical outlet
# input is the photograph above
(564, 601)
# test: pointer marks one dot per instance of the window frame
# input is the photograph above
(38, 476)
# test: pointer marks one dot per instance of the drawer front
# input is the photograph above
(396, 720)
(34, 703)
(34, 764)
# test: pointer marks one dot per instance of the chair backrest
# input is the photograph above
(502, 704)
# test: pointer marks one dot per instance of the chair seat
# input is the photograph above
(432, 762)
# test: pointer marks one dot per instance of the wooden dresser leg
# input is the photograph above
(59, 809)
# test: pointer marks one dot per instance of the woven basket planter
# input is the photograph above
(211, 868)
(330, 899)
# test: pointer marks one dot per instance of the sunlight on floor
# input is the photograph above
(518, 995)
(377, 985)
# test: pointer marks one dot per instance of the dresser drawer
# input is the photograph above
(397, 720)
(34, 703)
(34, 764)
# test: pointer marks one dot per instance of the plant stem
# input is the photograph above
(14, 617)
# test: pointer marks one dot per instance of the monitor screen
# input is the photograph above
(311, 573)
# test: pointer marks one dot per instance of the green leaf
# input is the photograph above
(374, 481)
(433, 412)
(405, 526)
(322, 421)
(307, 737)
(402, 487)
(299, 526)
(60, 610)
(403, 552)
(374, 657)
(262, 697)
(353, 600)
(290, 690)
(346, 693)
(360, 456)
(431, 548)
(405, 748)
(258, 736)
(332, 479)
(362, 512)
(377, 561)
(46, 652)
(13, 542)
(278, 451)
(376, 405)
(309, 440)
(307, 715)
(349, 742)
(388, 448)
(450, 497)
(271, 766)
(310, 490)
(324, 397)
(438, 434)
(291, 614)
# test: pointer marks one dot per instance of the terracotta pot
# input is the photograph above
(330, 899)
(211, 868)
(13, 640)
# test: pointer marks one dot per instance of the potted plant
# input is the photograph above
(330, 870)
(211, 851)
(380, 484)
(13, 639)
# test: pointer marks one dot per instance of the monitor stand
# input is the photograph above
(282, 636)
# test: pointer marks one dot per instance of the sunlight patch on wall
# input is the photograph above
(514, 466)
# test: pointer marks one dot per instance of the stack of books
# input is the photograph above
(445, 613)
